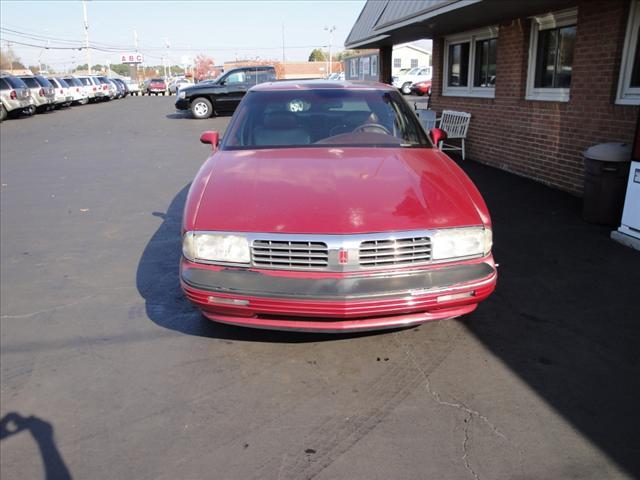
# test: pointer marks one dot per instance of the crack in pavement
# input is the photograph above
(50, 309)
(470, 413)
(465, 449)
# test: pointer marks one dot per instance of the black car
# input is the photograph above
(222, 95)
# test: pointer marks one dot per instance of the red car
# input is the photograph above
(421, 88)
(156, 86)
(326, 207)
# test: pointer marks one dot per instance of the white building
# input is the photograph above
(409, 55)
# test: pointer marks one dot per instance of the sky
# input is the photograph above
(222, 30)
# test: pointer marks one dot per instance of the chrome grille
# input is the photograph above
(399, 251)
(290, 254)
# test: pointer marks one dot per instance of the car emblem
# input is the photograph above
(343, 256)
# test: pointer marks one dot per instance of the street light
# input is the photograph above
(330, 30)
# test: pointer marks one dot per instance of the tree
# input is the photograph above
(9, 60)
(204, 67)
(120, 69)
(318, 55)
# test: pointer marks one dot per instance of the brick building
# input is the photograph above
(543, 80)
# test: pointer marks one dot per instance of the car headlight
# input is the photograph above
(460, 242)
(182, 95)
(215, 247)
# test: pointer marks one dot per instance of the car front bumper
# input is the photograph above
(313, 301)
(182, 104)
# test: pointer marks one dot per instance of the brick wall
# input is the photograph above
(544, 140)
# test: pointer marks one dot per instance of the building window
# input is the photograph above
(458, 72)
(397, 63)
(485, 67)
(629, 80)
(353, 71)
(414, 62)
(470, 63)
(553, 38)
(554, 57)
(374, 65)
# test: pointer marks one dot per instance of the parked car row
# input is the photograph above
(29, 94)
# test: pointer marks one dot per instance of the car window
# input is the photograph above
(4, 85)
(85, 81)
(15, 82)
(62, 83)
(235, 78)
(43, 81)
(323, 117)
(31, 82)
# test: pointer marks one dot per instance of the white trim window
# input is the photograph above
(551, 46)
(353, 71)
(629, 81)
(397, 63)
(470, 63)
(374, 65)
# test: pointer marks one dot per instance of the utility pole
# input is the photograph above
(283, 58)
(330, 30)
(9, 52)
(168, 45)
(86, 35)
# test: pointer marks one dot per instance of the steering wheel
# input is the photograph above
(374, 126)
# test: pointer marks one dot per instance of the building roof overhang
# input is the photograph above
(387, 22)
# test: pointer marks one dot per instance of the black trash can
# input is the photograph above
(606, 168)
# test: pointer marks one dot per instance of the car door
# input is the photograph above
(234, 87)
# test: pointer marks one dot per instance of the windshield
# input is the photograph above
(323, 117)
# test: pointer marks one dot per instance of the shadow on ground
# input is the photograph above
(186, 115)
(158, 283)
(42, 432)
(564, 317)
(566, 313)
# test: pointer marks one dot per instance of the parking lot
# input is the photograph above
(109, 373)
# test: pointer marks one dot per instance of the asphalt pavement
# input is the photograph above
(107, 372)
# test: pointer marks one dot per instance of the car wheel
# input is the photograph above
(406, 88)
(163, 94)
(201, 108)
(30, 110)
(3, 113)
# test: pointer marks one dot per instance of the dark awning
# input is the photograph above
(391, 22)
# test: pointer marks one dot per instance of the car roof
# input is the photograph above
(321, 84)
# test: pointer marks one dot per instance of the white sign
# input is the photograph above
(131, 58)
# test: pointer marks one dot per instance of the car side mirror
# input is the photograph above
(212, 138)
(437, 135)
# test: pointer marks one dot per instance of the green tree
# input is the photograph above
(318, 55)
(120, 69)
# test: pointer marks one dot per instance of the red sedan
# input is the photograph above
(325, 207)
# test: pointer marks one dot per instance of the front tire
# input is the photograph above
(406, 88)
(201, 108)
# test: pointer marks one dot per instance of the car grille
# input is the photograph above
(290, 254)
(399, 251)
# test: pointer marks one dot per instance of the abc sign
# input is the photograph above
(131, 58)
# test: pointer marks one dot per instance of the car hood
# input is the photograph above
(333, 191)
